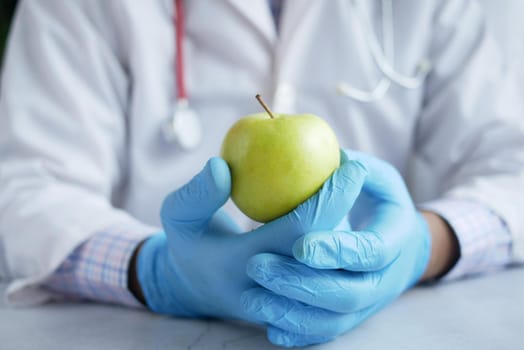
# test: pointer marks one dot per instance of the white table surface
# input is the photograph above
(479, 313)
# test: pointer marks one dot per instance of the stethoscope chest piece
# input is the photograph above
(184, 127)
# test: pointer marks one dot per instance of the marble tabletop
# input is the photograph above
(478, 313)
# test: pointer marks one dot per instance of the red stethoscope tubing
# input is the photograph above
(179, 50)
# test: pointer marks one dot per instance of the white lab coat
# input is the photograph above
(88, 84)
(504, 18)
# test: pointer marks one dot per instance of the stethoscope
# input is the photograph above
(185, 126)
(380, 57)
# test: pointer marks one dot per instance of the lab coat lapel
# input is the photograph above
(258, 14)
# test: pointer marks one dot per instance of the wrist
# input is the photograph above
(445, 250)
(133, 282)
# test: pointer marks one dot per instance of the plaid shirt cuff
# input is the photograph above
(484, 238)
(98, 270)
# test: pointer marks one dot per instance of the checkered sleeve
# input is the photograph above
(484, 238)
(98, 270)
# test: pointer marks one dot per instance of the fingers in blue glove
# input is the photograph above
(361, 251)
(326, 209)
(354, 251)
(299, 324)
(187, 211)
(323, 211)
(286, 339)
(334, 290)
(380, 241)
(383, 180)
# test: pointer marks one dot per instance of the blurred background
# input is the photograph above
(7, 8)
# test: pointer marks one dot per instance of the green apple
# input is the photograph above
(278, 162)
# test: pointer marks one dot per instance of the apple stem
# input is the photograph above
(265, 106)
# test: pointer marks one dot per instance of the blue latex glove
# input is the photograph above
(340, 278)
(197, 268)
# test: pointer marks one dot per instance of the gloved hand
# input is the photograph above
(340, 278)
(197, 268)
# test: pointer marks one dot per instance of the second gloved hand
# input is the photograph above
(344, 276)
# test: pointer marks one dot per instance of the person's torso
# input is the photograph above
(233, 52)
